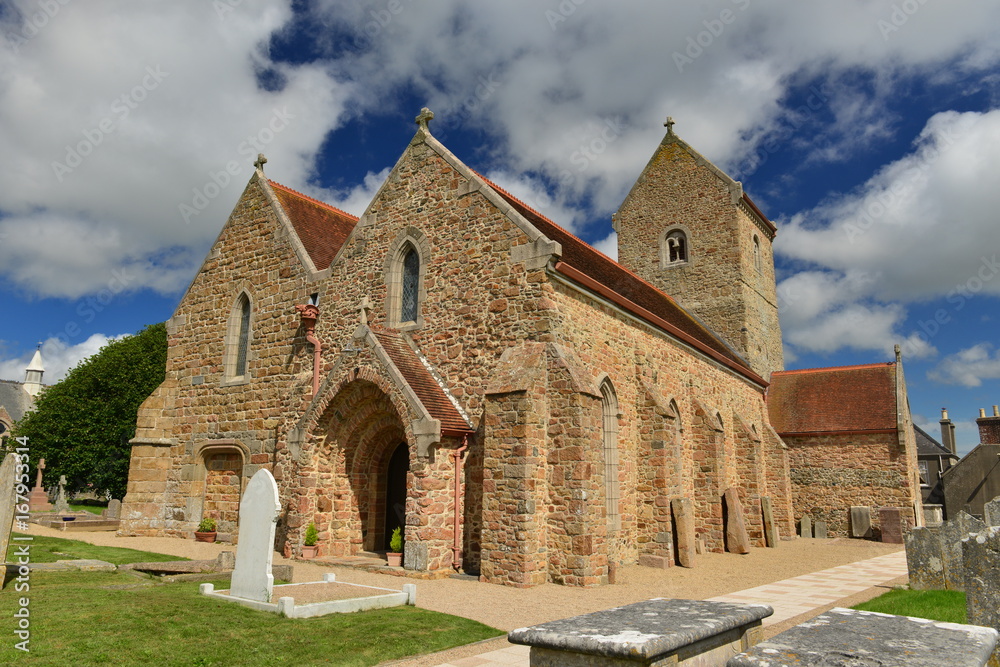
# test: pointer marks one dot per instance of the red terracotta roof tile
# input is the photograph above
(598, 267)
(420, 379)
(321, 228)
(830, 400)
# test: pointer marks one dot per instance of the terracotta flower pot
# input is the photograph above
(204, 537)
(309, 552)
(395, 560)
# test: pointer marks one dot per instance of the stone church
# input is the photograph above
(456, 364)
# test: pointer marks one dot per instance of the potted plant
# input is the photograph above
(309, 547)
(395, 554)
(206, 530)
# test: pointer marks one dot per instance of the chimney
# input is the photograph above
(947, 432)
(989, 427)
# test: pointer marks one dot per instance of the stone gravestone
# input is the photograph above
(861, 522)
(38, 501)
(114, 509)
(61, 505)
(737, 540)
(991, 512)
(683, 512)
(252, 578)
(981, 556)
(891, 522)
(934, 553)
(805, 526)
(952, 534)
(819, 529)
(8, 494)
(770, 530)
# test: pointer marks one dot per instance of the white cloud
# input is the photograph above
(536, 195)
(57, 358)
(114, 116)
(609, 245)
(356, 199)
(968, 367)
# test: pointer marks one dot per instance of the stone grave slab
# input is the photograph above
(8, 494)
(259, 508)
(654, 632)
(683, 511)
(849, 638)
(991, 512)
(737, 540)
(952, 533)
(890, 521)
(113, 510)
(805, 526)
(981, 556)
(861, 522)
(819, 529)
(924, 558)
(770, 530)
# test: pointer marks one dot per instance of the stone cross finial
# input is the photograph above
(425, 117)
(62, 480)
(260, 161)
(669, 124)
(38, 478)
(363, 309)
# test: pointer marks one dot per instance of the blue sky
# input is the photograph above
(868, 131)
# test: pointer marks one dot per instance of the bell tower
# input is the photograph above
(688, 228)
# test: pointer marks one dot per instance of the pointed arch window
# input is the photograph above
(405, 269)
(411, 285)
(756, 253)
(238, 335)
(612, 489)
(674, 249)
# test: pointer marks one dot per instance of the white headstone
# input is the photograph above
(8, 473)
(991, 512)
(259, 509)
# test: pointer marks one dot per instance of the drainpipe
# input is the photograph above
(309, 313)
(457, 455)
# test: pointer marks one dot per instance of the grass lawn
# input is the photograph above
(93, 509)
(51, 549)
(936, 605)
(112, 618)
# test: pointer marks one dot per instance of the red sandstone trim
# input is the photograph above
(872, 431)
(635, 309)
(828, 369)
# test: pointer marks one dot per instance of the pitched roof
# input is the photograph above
(928, 446)
(637, 295)
(321, 228)
(417, 373)
(831, 400)
(14, 398)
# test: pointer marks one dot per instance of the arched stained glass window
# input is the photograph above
(411, 285)
(243, 340)
(612, 490)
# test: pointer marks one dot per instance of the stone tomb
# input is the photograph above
(981, 558)
(861, 522)
(654, 632)
(8, 494)
(252, 578)
(846, 637)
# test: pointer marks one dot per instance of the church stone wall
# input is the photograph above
(195, 405)
(830, 473)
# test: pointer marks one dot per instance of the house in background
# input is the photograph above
(933, 458)
(975, 480)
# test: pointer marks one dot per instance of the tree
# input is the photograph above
(81, 425)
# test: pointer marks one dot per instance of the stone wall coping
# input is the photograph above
(156, 442)
(871, 638)
(641, 630)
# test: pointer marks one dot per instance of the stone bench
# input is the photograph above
(866, 638)
(655, 632)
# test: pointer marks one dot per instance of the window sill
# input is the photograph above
(234, 381)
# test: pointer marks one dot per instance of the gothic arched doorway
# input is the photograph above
(395, 491)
